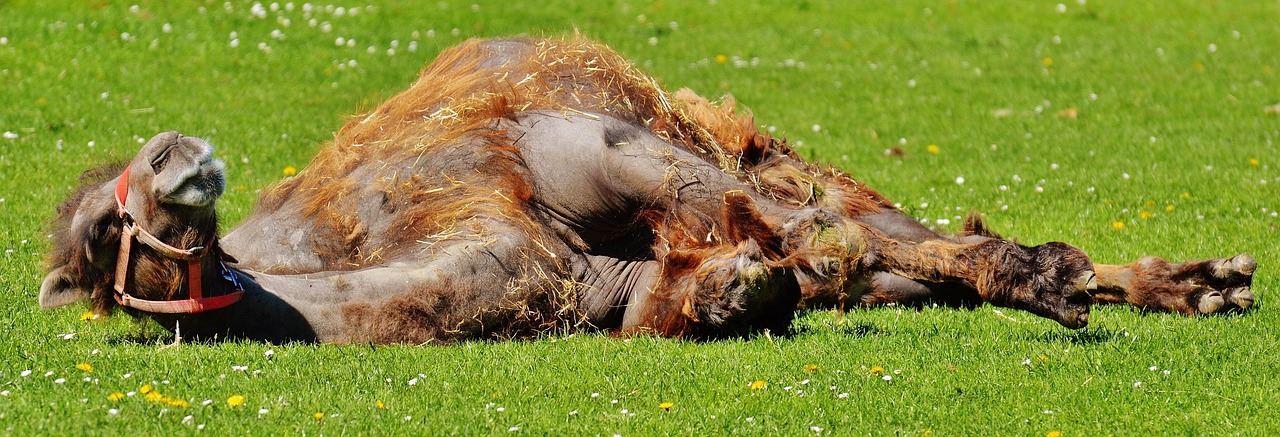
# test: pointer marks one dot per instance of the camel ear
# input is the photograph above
(60, 289)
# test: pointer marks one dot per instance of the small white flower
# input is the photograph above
(1026, 361)
(500, 409)
(1153, 368)
(4, 392)
(10, 135)
(1166, 371)
(413, 381)
(1062, 9)
(843, 395)
(269, 353)
(1137, 384)
(817, 429)
(26, 373)
(206, 402)
(887, 378)
(239, 368)
(263, 411)
(60, 380)
(188, 420)
(959, 180)
(816, 128)
(113, 411)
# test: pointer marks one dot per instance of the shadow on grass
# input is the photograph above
(1087, 336)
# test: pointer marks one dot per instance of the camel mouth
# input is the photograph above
(202, 187)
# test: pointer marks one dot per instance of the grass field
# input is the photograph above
(1125, 128)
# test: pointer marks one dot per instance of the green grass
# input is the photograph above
(1166, 129)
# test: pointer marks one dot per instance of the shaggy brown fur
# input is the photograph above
(445, 214)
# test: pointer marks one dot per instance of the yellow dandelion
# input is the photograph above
(1117, 225)
(1185, 195)
(379, 404)
(1042, 359)
(927, 432)
(290, 171)
(876, 370)
(88, 315)
(720, 59)
(810, 368)
(154, 396)
(1054, 433)
(318, 415)
(115, 396)
(1145, 215)
(1254, 162)
(1149, 203)
(933, 149)
(235, 401)
(85, 367)
(1168, 208)
(145, 389)
(758, 384)
(1048, 62)
(181, 403)
(666, 406)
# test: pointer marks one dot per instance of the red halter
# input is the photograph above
(196, 302)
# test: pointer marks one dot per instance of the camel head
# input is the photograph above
(169, 189)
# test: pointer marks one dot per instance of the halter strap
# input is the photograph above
(196, 302)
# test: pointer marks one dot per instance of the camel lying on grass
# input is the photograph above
(526, 185)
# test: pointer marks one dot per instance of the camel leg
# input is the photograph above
(711, 292)
(490, 278)
(1191, 288)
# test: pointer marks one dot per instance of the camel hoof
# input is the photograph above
(1239, 265)
(1245, 264)
(1087, 281)
(1211, 303)
(1240, 297)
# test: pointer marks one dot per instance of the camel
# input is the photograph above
(524, 186)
